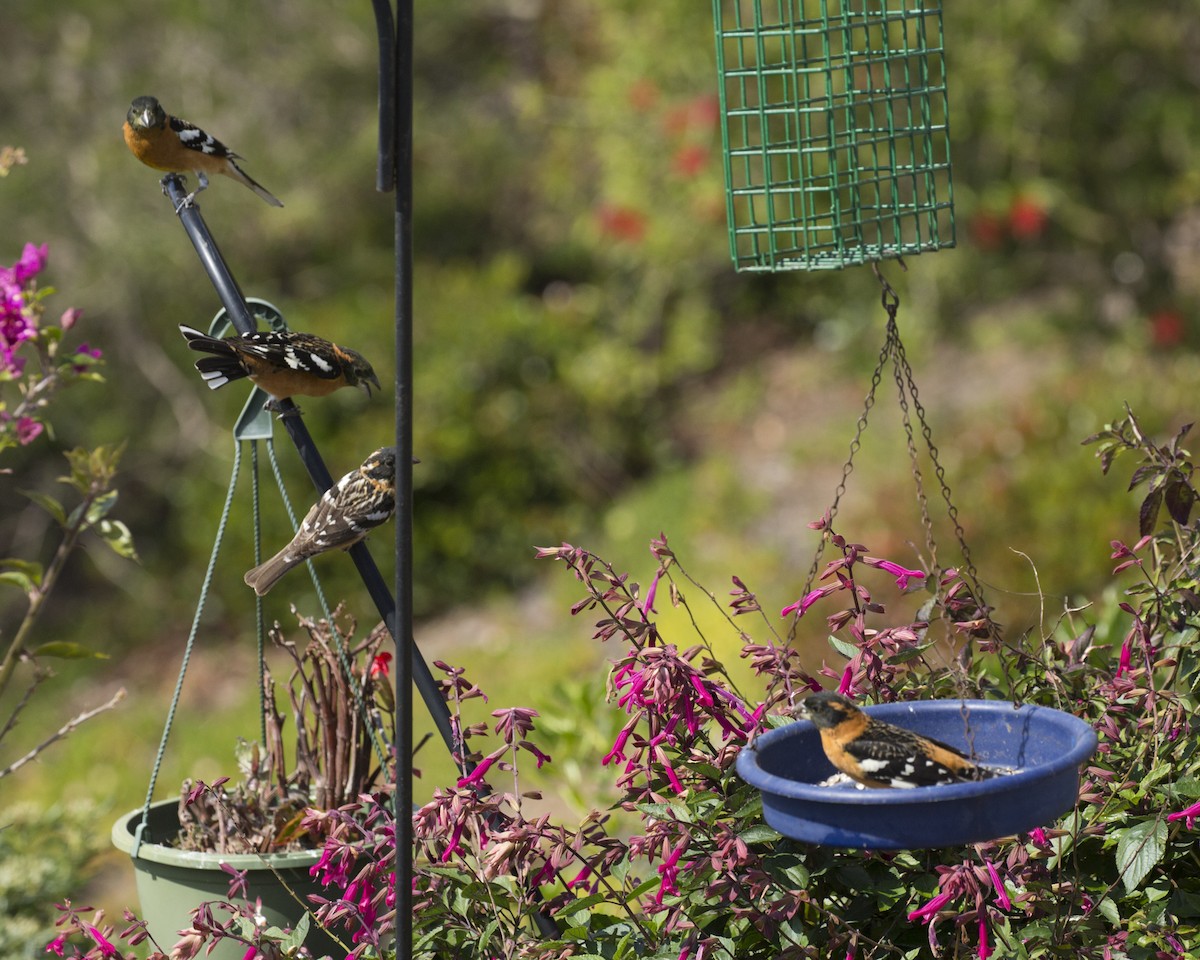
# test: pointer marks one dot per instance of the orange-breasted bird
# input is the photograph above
(283, 364)
(165, 142)
(878, 754)
(349, 510)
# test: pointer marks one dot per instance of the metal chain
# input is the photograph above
(847, 469)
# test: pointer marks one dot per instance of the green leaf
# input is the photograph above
(760, 834)
(1187, 786)
(1108, 909)
(117, 536)
(101, 506)
(1139, 849)
(847, 650)
(65, 650)
(23, 574)
(18, 580)
(293, 940)
(49, 504)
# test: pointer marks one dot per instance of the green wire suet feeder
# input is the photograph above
(835, 131)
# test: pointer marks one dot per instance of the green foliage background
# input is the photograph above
(588, 364)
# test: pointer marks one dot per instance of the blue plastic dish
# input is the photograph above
(1044, 747)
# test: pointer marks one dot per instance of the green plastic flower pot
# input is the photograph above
(171, 882)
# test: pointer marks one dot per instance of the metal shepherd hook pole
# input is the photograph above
(394, 171)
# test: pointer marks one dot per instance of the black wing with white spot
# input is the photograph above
(196, 139)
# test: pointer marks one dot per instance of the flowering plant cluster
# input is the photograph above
(24, 336)
(682, 866)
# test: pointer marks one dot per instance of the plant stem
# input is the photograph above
(39, 594)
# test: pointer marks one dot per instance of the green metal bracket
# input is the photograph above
(255, 422)
(835, 131)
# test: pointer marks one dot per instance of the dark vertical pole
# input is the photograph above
(402, 145)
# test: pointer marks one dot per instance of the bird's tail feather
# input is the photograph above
(218, 371)
(237, 173)
(263, 577)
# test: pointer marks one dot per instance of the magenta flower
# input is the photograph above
(106, 948)
(70, 317)
(28, 430)
(32, 262)
(998, 886)
(929, 910)
(1188, 816)
(57, 945)
(902, 574)
(478, 773)
(846, 686)
(1125, 660)
(801, 606)
(985, 950)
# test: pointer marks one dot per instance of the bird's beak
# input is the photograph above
(368, 381)
(146, 117)
(800, 711)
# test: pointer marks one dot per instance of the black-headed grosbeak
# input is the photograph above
(283, 364)
(362, 500)
(165, 142)
(879, 754)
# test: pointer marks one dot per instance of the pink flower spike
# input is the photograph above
(998, 886)
(57, 945)
(902, 574)
(929, 910)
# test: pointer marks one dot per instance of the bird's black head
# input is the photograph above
(146, 112)
(827, 709)
(358, 371)
(381, 465)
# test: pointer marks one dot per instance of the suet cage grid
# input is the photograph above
(835, 131)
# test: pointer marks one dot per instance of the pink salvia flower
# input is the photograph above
(985, 950)
(1188, 816)
(998, 886)
(478, 773)
(801, 606)
(929, 910)
(57, 945)
(847, 683)
(1126, 658)
(902, 574)
(106, 948)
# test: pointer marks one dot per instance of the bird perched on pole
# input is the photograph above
(349, 510)
(165, 142)
(283, 364)
(879, 754)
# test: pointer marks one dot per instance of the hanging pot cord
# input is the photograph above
(139, 833)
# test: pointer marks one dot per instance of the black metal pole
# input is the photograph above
(402, 176)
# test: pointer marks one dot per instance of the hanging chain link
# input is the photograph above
(912, 409)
